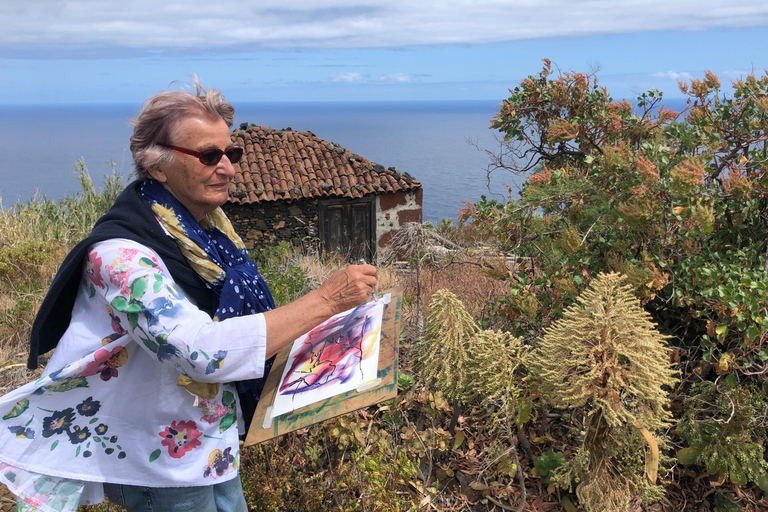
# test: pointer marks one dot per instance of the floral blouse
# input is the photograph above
(108, 408)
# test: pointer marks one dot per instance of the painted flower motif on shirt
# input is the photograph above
(117, 325)
(78, 435)
(22, 432)
(125, 255)
(106, 362)
(89, 407)
(58, 422)
(217, 362)
(10, 473)
(93, 268)
(119, 279)
(212, 411)
(170, 355)
(180, 437)
(218, 463)
(32, 501)
(119, 271)
(161, 314)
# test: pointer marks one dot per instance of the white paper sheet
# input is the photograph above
(335, 357)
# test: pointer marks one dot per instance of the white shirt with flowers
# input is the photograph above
(108, 408)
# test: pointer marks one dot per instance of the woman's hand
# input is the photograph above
(349, 287)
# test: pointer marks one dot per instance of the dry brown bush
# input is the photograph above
(474, 280)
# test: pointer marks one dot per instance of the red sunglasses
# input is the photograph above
(210, 156)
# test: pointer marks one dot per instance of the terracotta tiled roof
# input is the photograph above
(286, 165)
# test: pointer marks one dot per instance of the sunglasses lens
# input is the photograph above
(211, 157)
(234, 154)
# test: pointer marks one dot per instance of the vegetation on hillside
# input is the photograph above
(677, 203)
(597, 343)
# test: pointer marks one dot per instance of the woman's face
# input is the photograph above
(201, 188)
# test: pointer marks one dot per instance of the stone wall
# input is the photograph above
(296, 222)
(271, 222)
(394, 210)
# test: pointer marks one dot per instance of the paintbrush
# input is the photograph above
(362, 261)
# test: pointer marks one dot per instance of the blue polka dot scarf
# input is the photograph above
(214, 251)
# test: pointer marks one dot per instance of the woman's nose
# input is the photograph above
(226, 167)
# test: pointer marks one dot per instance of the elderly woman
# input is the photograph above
(154, 316)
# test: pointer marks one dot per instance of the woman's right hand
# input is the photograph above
(349, 287)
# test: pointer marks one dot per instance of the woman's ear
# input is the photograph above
(158, 174)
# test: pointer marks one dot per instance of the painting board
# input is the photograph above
(264, 427)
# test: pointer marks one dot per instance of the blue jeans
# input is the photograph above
(223, 497)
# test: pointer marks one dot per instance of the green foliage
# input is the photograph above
(34, 238)
(345, 464)
(605, 351)
(21, 263)
(676, 202)
(724, 503)
(547, 463)
(725, 427)
(442, 353)
(26, 269)
(472, 366)
(639, 190)
(498, 379)
(67, 220)
(287, 280)
(405, 381)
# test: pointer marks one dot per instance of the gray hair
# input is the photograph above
(159, 118)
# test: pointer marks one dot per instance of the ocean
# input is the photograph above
(41, 144)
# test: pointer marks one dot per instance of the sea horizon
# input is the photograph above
(427, 139)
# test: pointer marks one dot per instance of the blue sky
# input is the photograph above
(104, 51)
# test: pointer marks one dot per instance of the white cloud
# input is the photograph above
(347, 77)
(672, 75)
(88, 25)
(738, 74)
(401, 78)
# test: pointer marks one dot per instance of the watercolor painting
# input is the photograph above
(335, 357)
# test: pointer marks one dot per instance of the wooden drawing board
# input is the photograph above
(340, 404)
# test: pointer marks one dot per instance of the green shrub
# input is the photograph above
(286, 279)
(673, 201)
(546, 464)
(28, 264)
(443, 354)
(725, 428)
(343, 464)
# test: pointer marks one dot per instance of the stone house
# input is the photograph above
(293, 186)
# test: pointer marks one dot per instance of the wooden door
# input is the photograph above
(346, 228)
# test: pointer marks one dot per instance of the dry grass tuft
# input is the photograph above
(475, 281)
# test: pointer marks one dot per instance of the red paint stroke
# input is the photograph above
(330, 354)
